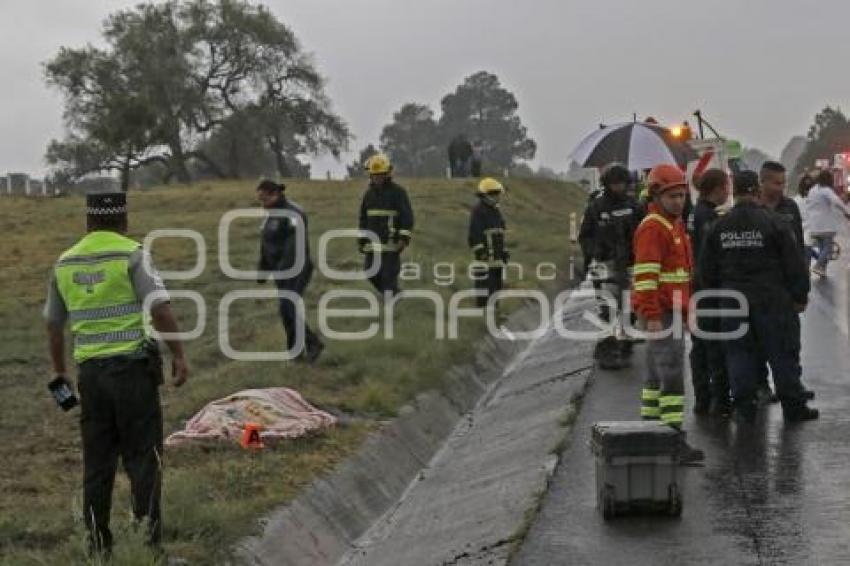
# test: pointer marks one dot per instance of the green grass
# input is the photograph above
(213, 495)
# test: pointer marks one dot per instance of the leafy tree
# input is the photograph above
(830, 134)
(238, 147)
(412, 141)
(191, 65)
(355, 169)
(486, 112)
(111, 127)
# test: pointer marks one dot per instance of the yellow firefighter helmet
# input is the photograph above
(489, 186)
(378, 164)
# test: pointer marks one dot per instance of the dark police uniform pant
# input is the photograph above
(488, 279)
(121, 416)
(386, 279)
(708, 366)
(289, 315)
(774, 335)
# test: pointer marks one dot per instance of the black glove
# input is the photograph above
(63, 391)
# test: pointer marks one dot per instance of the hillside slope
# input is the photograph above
(212, 494)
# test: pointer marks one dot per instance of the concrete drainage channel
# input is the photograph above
(456, 477)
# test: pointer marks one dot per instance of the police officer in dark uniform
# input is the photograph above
(708, 366)
(385, 212)
(487, 239)
(752, 251)
(279, 252)
(772, 178)
(605, 236)
(101, 285)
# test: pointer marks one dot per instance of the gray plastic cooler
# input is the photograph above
(637, 468)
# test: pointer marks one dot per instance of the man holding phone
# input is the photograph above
(101, 285)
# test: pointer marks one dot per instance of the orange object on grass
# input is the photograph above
(251, 436)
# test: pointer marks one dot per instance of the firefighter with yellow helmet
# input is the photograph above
(385, 212)
(487, 239)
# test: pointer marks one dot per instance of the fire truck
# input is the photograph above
(713, 151)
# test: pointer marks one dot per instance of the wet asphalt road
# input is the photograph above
(769, 494)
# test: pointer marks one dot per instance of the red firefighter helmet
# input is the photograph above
(665, 177)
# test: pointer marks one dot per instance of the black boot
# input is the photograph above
(702, 400)
(609, 354)
(766, 396)
(721, 408)
(613, 360)
(626, 347)
(800, 413)
(745, 411)
(687, 453)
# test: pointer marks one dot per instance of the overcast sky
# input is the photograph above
(759, 69)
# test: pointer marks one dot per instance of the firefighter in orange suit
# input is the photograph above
(663, 272)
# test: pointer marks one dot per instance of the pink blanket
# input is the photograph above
(281, 412)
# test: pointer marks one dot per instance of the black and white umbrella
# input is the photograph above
(637, 145)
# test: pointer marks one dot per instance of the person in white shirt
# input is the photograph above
(823, 215)
(803, 188)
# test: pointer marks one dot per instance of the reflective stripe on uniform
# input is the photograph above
(381, 212)
(93, 258)
(477, 247)
(650, 413)
(671, 401)
(668, 400)
(650, 395)
(651, 285)
(407, 233)
(107, 337)
(672, 418)
(672, 409)
(646, 268)
(678, 276)
(378, 248)
(105, 312)
(494, 230)
(658, 218)
(649, 403)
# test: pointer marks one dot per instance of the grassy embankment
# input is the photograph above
(212, 495)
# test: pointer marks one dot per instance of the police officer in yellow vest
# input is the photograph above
(100, 285)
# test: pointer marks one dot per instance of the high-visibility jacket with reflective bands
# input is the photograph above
(487, 234)
(386, 211)
(104, 310)
(663, 268)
